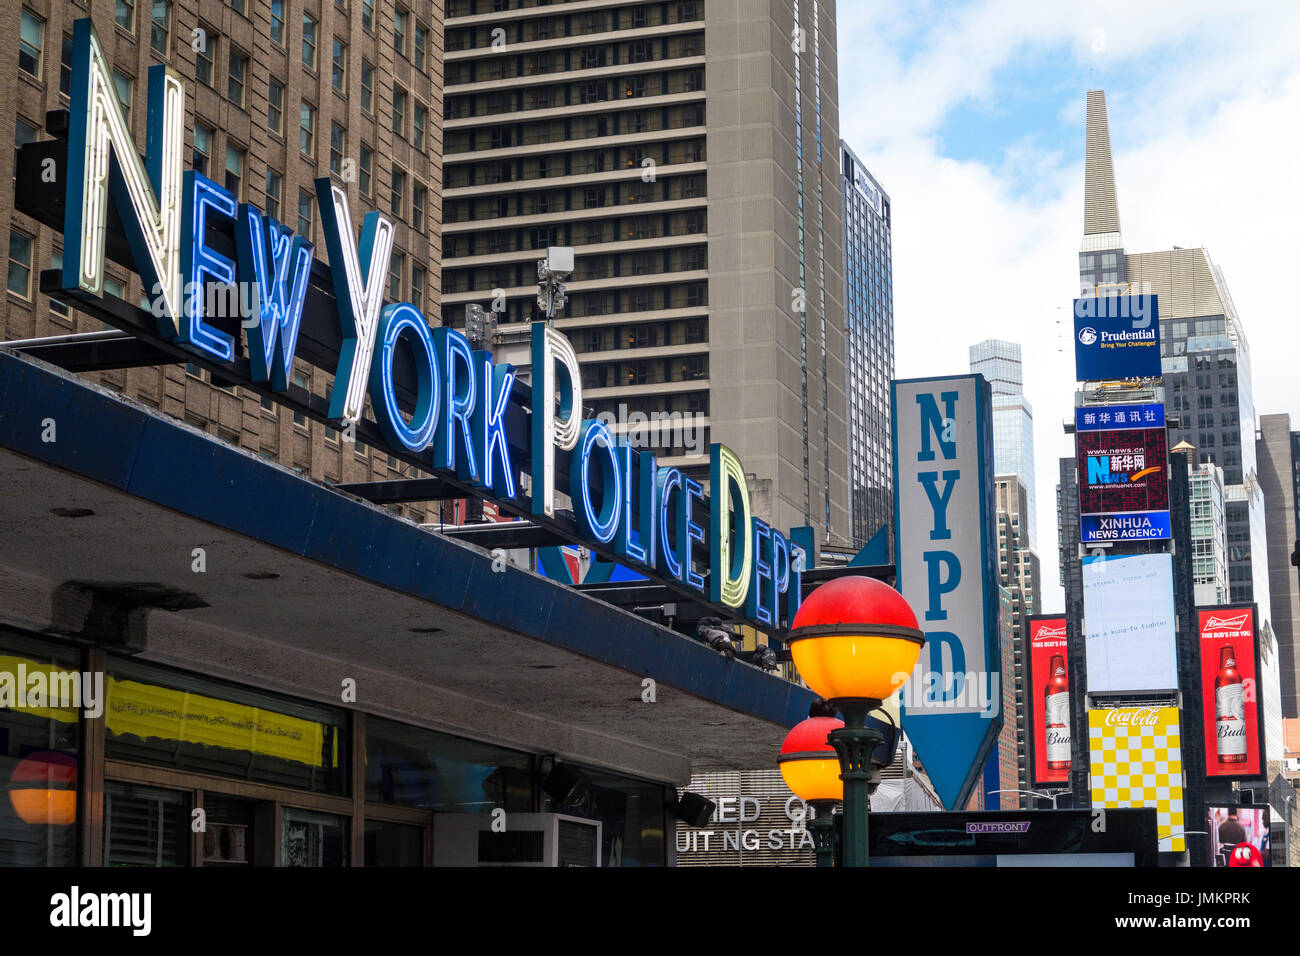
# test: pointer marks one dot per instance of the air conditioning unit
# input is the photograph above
(529, 839)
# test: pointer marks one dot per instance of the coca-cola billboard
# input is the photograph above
(1230, 711)
(1049, 700)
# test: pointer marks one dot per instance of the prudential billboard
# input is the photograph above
(1116, 337)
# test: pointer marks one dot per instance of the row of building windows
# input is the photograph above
(641, 336)
(657, 298)
(601, 196)
(664, 83)
(487, 69)
(693, 259)
(615, 122)
(555, 27)
(645, 157)
(655, 226)
(688, 368)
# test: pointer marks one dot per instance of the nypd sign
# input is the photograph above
(947, 571)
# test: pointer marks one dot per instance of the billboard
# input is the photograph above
(1122, 455)
(1230, 712)
(947, 570)
(1128, 623)
(1116, 337)
(1135, 759)
(1238, 836)
(1049, 699)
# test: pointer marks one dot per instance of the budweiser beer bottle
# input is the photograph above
(1230, 709)
(1056, 697)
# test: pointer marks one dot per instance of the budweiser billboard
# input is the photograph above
(1049, 700)
(1231, 717)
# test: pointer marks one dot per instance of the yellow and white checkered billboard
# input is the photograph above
(1136, 760)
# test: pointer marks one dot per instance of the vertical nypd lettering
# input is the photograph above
(280, 265)
(943, 488)
(147, 194)
(757, 606)
(416, 434)
(669, 480)
(488, 423)
(554, 370)
(360, 272)
(459, 398)
(596, 445)
(648, 508)
(731, 553)
(202, 264)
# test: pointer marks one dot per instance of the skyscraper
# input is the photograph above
(1209, 532)
(1013, 418)
(1205, 362)
(1279, 475)
(680, 149)
(868, 346)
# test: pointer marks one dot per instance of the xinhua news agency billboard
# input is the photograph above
(1231, 717)
(948, 572)
(1116, 337)
(1049, 699)
(1123, 464)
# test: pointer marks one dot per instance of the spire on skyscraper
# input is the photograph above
(1100, 207)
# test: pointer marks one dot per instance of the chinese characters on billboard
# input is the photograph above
(1122, 457)
(1049, 699)
(1230, 711)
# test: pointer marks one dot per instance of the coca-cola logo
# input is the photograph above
(1133, 717)
(1216, 623)
(1051, 631)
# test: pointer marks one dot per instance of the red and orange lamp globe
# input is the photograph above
(811, 770)
(855, 642)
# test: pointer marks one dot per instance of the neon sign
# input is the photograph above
(653, 519)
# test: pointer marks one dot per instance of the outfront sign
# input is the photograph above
(947, 570)
(451, 415)
(1231, 716)
(1116, 337)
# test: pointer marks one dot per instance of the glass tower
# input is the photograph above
(869, 347)
(1013, 418)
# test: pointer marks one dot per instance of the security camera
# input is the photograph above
(559, 261)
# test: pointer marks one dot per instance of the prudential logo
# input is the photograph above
(1087, 335)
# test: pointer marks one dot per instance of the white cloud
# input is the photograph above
(1204, 144)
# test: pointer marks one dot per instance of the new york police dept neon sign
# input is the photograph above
(462, 395)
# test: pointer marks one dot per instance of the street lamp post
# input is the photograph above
(811, 771)
(855, 641)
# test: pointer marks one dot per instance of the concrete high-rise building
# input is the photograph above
(1279, 472)
(1019, 575)
(277, 94)
(1209, 532)
(868, 347)
(1205, 364)
(685, 150)
(1013, 419)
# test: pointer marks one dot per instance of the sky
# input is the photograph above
(971, 116)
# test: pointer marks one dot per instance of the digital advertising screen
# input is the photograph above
(1136, 760)
(1239, 836)
(1049, 699)
(1230, 710)
(1116, 337)
(1128, 618)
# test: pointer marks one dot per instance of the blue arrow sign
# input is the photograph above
(948, 571)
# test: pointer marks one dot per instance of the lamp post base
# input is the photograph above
(822, 828)
(854, 743)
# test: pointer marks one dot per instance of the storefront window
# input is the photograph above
(313, 839)
(631, 813)
(393, 844)
(145, 826)
(185, 722)
(39, 753)
(423, 768)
